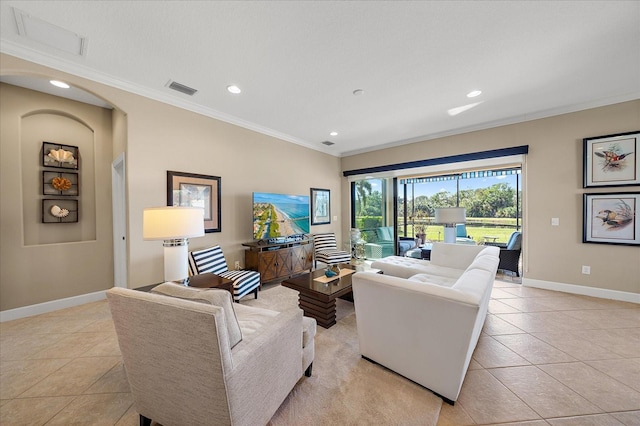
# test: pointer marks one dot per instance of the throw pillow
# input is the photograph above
(216, 297)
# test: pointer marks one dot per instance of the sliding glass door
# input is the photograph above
(389, 210)
(372, 212)
(492, 199)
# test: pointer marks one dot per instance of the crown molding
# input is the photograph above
(552, 112)
(71, 67)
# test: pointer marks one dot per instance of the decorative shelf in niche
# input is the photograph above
(59, 210)
(60, 183)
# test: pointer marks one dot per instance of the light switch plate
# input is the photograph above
(555, 221)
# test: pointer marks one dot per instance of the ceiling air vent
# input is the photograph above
(328, 143)
(181, 88)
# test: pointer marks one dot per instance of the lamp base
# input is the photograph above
(176, 260)
(450, 234)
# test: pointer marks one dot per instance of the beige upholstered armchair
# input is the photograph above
(193, 357)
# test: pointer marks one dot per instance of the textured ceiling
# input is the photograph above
(298, 63)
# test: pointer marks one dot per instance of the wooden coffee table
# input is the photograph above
(317, 299)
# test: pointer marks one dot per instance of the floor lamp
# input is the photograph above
(174, 225)
(450, 217)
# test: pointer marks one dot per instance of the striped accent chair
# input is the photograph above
(211, 260)
(326, 250)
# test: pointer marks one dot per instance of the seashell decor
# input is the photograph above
(60, 183)
(59, 212)
(61, 155)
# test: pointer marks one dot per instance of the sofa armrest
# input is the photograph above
(267, 365)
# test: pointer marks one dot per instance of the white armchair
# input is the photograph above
(189, 363)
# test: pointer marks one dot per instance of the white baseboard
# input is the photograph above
(54, 305)
(602, 293)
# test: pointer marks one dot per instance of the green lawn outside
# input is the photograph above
(478, 233)
(478, 228)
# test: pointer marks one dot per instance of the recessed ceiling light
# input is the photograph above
(333, 133)
(59, 84)
(234, 89)
(474, 93)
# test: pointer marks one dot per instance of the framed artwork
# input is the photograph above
(320, 206)
(193, 190)
(60, 183)
(60, 156)
(59, 210)
(611, 218)
(611, 160)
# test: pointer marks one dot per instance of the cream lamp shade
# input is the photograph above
(449, 217)
(165, 223)
(174, 225)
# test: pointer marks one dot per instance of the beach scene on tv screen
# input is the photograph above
(279, 215)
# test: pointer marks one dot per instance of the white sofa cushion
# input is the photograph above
(433, 279)
(216, 297)
(474, 283)
(486, 260)
(457, 256)
(406, 267)
(403, 267)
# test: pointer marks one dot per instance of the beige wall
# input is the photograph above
(553, 189)
(162, 137)
(42, 262)
(158, 138)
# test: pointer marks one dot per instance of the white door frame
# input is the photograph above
(119, 202)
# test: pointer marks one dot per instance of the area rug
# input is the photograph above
(344, 388)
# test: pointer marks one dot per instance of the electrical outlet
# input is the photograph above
(237, 265)
(586, 269)
(555, 221)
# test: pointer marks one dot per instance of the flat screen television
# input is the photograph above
(279, 215)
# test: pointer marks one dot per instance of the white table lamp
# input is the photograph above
(174, 225)
(449, 217)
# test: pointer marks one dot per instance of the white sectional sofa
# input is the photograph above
(422, 319)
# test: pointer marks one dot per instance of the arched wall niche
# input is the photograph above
(64, 128)
(44, 262)
(60, 113)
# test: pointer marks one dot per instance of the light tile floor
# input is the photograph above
(544, 358)
(547, 357)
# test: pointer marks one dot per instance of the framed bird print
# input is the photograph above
(611, 218)
(611, 160)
